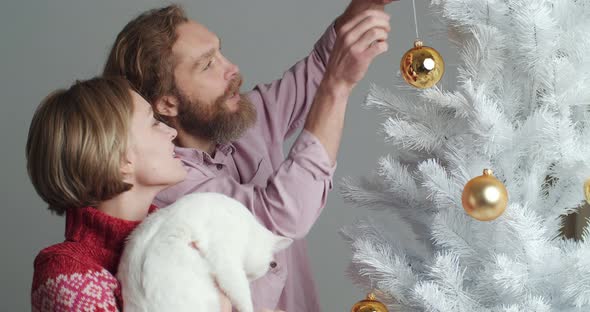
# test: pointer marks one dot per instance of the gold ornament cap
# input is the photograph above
(422, 66)
(370, 304)
(484, 197)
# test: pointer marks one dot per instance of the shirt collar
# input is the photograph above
(199, 156)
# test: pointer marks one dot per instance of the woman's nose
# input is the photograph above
(173, 132)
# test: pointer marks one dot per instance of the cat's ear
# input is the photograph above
(281, 243)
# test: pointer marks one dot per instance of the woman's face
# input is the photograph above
(151, 151)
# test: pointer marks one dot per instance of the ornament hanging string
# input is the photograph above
(415, 19)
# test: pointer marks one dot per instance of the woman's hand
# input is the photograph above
(224, 302)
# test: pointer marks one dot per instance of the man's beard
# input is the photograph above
(215, 122)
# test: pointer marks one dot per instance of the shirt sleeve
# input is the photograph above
(60, 286)
(283, 104)
(293, 197)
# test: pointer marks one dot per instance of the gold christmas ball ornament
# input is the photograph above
(587, 190)
(370, 304)
(484, 197)
(422, 67)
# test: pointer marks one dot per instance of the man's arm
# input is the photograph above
(361, 38)
(285, 103)
(291, 200)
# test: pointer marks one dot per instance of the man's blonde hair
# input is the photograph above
(77, 141)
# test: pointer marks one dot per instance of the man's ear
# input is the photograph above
(167, 105)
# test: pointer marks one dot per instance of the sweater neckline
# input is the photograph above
(92, 227)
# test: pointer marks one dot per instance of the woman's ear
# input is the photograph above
(167, 106)
(127, 169)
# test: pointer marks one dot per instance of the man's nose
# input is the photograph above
(231, 71)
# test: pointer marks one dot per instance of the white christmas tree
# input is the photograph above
(521, 108)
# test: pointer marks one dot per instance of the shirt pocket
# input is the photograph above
(266, 290)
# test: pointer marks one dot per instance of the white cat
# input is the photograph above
(174, 258)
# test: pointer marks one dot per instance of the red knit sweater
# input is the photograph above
(79, 274)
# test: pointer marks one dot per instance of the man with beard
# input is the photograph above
(232, 143)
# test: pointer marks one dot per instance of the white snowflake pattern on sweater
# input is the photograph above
(92, 291)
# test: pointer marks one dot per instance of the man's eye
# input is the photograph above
(208, 65)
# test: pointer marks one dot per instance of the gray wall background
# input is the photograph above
(48, 44)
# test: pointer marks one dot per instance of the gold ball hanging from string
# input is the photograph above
(484, 197)
(370, 304)
(422, 66)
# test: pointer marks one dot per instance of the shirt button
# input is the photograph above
(273, 264)
(219, 166)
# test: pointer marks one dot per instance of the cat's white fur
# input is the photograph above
(161, 270)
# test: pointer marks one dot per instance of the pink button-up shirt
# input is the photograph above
(285, 194)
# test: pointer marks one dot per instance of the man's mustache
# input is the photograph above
(234, 86)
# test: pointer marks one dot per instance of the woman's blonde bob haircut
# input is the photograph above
(77, 142)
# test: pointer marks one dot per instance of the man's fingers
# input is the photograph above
(360, 17)
(371, 37)
(359, 40)
(370, 25)
(378, 47)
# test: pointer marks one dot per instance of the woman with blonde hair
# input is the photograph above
(95, 154)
